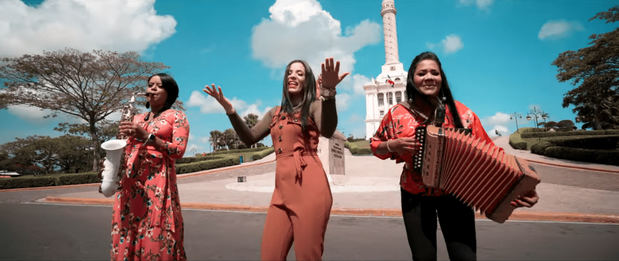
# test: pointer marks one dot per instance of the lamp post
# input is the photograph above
(535, 114)
(515, 116)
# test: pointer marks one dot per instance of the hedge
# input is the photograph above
(261, 154)
(516, 141)
(529, 133)
(49, 180)
(194, 164)
(361, 147)
(587, 155)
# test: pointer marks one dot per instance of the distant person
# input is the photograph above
(301, 203)
(394, 139)
(147, 222)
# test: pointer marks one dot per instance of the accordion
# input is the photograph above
(478, 173)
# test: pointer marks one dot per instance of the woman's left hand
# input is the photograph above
(527, 200)
(330, 76)
(130, 129)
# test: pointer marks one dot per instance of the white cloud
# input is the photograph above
(481, 4)
(209, 105)
(498, 130)
(450, 44)
(342, 101)
(300, 29)
(117, 25)
(28, 113)
(496, 123)
(556, 29)
(353, 84)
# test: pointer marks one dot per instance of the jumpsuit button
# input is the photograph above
(280, 138)
(283, 117)
(280, 126)
(295, 120)
(279, 150)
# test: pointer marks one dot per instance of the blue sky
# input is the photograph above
(497, 54)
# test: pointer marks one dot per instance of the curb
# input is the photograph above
(520, 216)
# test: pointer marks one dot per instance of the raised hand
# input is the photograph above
(330, 74)
(216, 93)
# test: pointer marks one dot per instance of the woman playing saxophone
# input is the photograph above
(147, 222)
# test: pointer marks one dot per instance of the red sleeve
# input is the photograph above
(383, 133)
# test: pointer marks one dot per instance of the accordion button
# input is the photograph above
(280, 126)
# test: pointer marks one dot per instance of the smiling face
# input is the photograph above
(157, 95)
(295, 79)
(428, 77)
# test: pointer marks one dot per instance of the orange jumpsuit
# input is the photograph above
(301, 202)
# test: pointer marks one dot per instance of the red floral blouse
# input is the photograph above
(400, 122)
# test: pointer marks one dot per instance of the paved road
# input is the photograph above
(35, 231)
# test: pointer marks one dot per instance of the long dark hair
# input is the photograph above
(309, 92)
(169, 85)
(413, 93)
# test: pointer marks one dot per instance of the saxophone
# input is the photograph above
(114, 164)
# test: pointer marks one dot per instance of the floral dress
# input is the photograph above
(147, 222)
(400, 122)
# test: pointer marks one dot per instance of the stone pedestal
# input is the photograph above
(331, 154)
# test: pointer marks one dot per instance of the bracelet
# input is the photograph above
(327, 92)
(326, 98)
(388, 149)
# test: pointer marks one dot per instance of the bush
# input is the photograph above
(539, 148)
(361, 147)
(184, 165)
(261, 154)
(517, 142)
(603, 142)
(206, 165)
(196, 159)
(529, 133)
(587, 155)
(49, 180)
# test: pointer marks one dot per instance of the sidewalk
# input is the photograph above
(370, 187)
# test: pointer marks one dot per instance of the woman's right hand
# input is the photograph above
(216, 93)
(403, 145)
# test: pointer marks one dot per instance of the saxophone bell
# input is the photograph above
(114, 163)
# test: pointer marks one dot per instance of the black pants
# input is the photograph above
(457, 223)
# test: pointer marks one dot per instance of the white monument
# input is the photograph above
(389, 87)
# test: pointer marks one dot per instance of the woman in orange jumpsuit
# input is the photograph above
(301, 203)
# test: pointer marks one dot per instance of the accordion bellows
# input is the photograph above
(478, 173)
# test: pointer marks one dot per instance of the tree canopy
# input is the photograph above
(595, 72)
(86, 85)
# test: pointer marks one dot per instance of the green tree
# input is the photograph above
(70, 153)
(595, 72)
(216, 140)
(86, 85)
(566, 125)
(231, 140)
(251, 120)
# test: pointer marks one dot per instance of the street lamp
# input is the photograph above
(515, 116)
(535, 114)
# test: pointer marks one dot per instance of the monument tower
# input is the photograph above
(389, 87)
